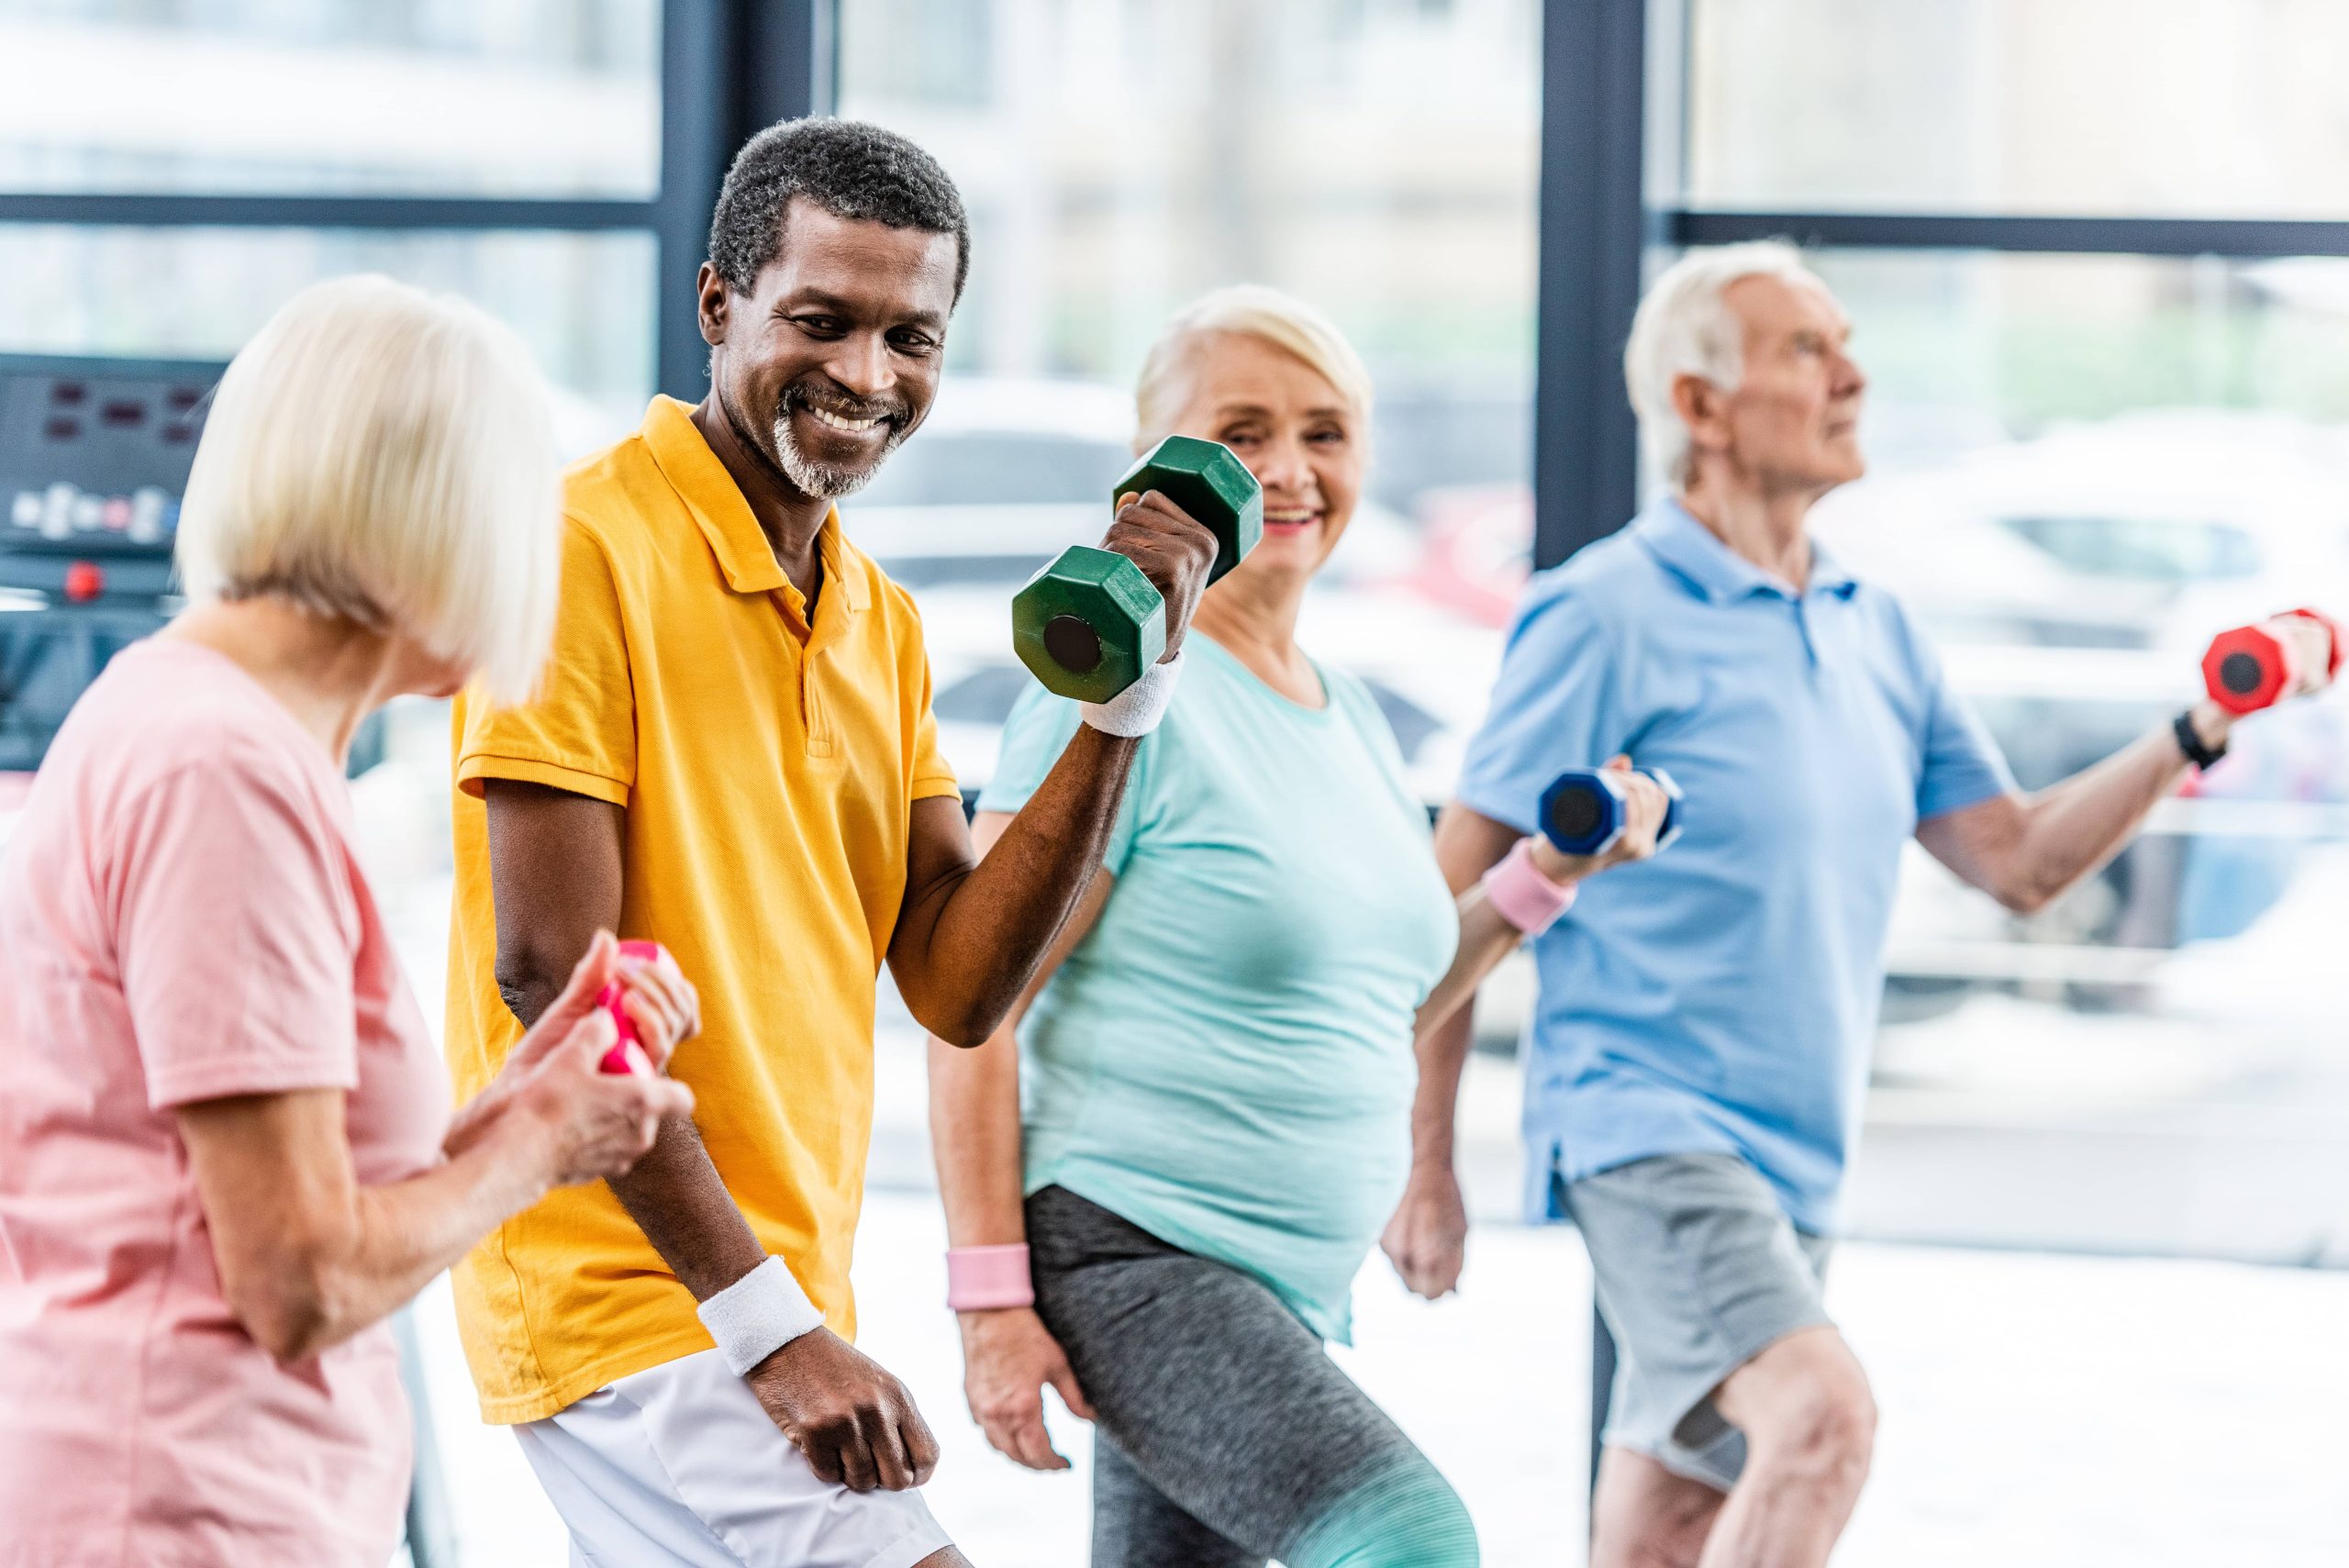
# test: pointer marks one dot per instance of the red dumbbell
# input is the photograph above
(2252, 667)
(608, 998)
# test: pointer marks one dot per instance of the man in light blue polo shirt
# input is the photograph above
(1699, 1050)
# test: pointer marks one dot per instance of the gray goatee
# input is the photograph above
(822, 482)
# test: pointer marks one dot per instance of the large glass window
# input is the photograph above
(1121, 156)
(2084, 467)
(524, 98)
(2137, 107)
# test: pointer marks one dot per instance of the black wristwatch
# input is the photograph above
(2190, 742)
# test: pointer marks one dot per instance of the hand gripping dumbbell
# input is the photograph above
(608, 998)
(1089, 625)
(1583, 810)
(2256, 666)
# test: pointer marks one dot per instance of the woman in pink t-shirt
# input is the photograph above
(227, 1153)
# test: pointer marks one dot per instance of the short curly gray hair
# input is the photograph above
(850, 168)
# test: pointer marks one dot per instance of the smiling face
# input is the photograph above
(1297, 435)
(833, 357)
(1792, 422)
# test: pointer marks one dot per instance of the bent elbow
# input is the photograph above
(288, 1304)
(2028, 898)
(524, 986)
(964, 1023)
(966, 1033)
(290, 1320)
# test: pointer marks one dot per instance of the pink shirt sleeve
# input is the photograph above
(237, 933)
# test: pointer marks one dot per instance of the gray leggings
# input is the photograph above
(1225, 1435)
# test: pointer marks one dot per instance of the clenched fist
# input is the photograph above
(1173, 551)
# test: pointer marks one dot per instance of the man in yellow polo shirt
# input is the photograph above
(732, 753)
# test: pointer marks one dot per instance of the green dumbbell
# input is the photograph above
(1090, 624)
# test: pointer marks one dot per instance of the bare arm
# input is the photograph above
(1486, 939)
(1485, 936)
(973, 932)
(308, 1256)
(975, 1091)
(554, 864)
(2025, 849)
(556, 872)
(1467, 845)
(1008, 1353)
(1426, 1237)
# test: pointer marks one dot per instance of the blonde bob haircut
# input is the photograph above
(386, 455)
(1251, 310)
(1685, 326)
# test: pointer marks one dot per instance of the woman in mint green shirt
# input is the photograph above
(1202, 1123)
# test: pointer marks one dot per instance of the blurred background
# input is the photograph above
(2098, 254)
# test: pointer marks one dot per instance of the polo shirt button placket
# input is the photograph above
(812, 717)
(1804, 629)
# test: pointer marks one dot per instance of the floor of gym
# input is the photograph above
(2039, 1411)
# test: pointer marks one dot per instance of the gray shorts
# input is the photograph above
(1697, 1271)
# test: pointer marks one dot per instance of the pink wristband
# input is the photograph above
(979, 1279)
(1522, 896)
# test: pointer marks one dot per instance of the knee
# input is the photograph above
(1822, 1435)
(1412, 1520)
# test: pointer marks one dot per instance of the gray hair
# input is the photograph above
(849, 168)
(386, 455)
(1246, 310)
(1686, 327)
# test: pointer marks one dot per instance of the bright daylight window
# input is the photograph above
(1120, 158)
(2096, 256)
(2139, 108)
(439, 97)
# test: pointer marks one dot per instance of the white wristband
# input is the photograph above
(1135, 711)
(758, 1315)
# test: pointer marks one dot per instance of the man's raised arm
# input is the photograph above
(971, 933)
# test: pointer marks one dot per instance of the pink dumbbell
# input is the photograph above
(616, 1060)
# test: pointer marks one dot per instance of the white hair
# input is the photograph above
(1685, 326)
(1251, 310)
(383, 454)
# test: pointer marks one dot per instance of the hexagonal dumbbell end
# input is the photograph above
(2248, 668)
(1208, 480)
(1088, 624)
(1583, 809)
(2253, 667)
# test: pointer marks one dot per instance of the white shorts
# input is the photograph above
(680, 1464)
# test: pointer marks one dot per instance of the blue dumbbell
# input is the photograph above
(1582, 811)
